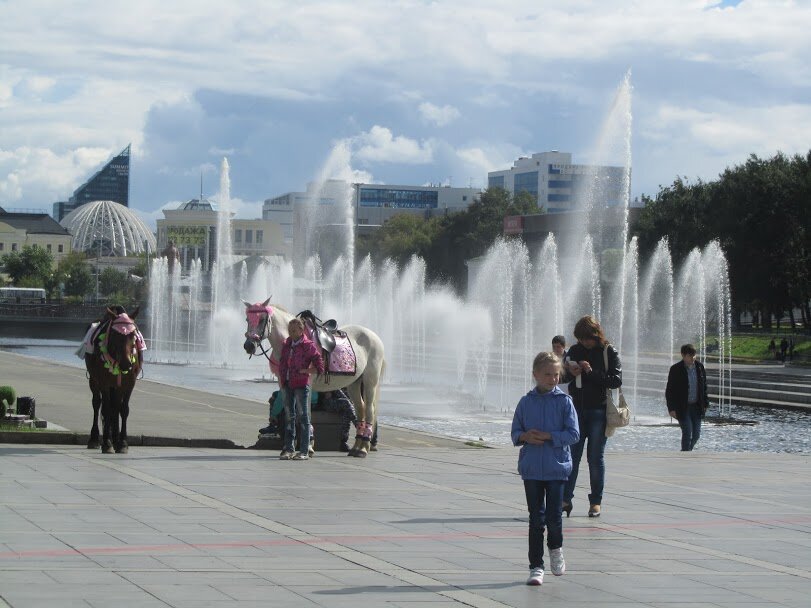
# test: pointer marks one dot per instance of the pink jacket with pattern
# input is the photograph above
(295, 358)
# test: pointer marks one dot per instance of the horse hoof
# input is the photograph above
(373, 448)
(352, 452)
(107, 449)
(122, 450)
(360, 454)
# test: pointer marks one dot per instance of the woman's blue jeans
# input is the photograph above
(297, 412)
(544, 502)
(592, 430)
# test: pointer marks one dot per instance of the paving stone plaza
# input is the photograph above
(424, 522)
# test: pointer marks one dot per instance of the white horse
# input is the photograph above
(266, 322)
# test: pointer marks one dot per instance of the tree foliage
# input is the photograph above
(112, 280)
(74, 273)
(30, 267)
(446, 242)
(760, 212)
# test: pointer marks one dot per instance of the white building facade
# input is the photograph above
(560, 185)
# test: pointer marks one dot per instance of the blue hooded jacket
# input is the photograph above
(554, 413)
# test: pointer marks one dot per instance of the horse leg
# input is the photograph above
(93, 443)
(106, 421)
(373, 443)
(353, 390)
(123, 447)
(368, 397)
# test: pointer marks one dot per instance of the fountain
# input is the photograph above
(483, 342)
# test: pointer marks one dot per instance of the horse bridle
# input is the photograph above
(260, 335)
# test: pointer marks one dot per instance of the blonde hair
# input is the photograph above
(297, 322)
(543, 359)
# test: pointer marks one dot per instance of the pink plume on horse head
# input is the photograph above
(123, 324)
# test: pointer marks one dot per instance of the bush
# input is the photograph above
(7, 398)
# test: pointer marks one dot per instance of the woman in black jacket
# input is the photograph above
(586, 363)
(686, 396)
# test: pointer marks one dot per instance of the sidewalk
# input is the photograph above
(413, 528)
(159, 410)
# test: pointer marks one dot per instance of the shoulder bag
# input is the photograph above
(617, 414)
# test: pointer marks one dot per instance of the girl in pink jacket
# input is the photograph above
(300, 357)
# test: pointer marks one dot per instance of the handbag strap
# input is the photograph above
(605, 360)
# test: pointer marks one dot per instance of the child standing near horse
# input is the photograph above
(545, 425)
(299, 359)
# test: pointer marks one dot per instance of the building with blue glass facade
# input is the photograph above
(110, 183)
(559, 185)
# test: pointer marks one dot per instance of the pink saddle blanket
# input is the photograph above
(342, 361)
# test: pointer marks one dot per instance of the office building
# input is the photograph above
(192, 228)
(110, 183)
(559, 185)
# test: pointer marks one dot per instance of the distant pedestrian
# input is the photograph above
(686, 396)
(559, 348)
(791, 349)
(783, 349)
(773, 348)
(545, 425)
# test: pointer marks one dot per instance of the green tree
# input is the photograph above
(32, 265)
(112, 281)
(75, 274)
(470, 233)
(760, 212)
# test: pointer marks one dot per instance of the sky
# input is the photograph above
(418, 92)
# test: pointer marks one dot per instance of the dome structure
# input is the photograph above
(198, 204)
(109, 228)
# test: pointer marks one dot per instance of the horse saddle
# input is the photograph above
(324, 332)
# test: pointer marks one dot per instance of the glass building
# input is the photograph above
(110, 183)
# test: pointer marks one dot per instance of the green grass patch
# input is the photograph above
(755, 348)
(23, 428)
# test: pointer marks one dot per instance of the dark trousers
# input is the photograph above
(544, 501)
(690, 423)
(592, 429)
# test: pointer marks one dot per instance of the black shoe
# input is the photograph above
(567, 508)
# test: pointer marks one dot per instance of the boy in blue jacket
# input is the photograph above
(545, 425)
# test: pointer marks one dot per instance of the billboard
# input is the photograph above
(187, 235)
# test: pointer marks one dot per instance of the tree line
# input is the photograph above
(73, 277)
(760, 212)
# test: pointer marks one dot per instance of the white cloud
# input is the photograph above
(439, 115)
(727, 128)
(43, 175)
(88, 76)
(381, 146)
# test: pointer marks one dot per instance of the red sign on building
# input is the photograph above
(513, 224)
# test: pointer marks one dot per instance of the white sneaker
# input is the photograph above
(558, 563)
(301, 456)
(286, 455)
(535, 577)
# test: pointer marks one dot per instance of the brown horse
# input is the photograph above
(113, 369)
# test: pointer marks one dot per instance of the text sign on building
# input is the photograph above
(513, 224)
(186, 235)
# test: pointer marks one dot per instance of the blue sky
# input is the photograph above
(420, 92)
